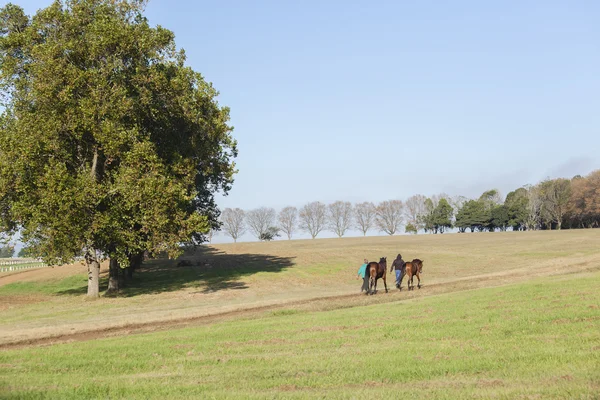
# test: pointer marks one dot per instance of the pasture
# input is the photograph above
(500, 315)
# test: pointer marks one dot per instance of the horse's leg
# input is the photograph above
(419, 278)
(385, 283)
(375, 285)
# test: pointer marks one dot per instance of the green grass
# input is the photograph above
(540, 339)
(68, 285)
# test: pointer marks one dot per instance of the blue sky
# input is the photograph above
(377, 100)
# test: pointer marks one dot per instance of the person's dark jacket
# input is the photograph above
(398, 264)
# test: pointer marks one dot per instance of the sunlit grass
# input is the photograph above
(539, 339)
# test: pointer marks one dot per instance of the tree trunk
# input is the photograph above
(113, 276)
(93, 277)
(135, 261)
(121, 277)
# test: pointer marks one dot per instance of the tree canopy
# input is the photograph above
(109, 144)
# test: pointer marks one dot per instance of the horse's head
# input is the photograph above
(419, 264)
(383, 261)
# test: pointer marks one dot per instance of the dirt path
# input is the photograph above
(324, 303)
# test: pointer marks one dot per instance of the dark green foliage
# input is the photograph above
(24, 253)
(443, 216)
(410, 228)
(270, 234)
(499, 218)
(517, 203)
(464, 216)
(473, 216)
(108, 142)
(7, 251)
(438, 218)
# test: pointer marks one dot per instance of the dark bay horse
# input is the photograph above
(377, 270)
(412, 268)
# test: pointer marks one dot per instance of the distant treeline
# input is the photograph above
(551, 204)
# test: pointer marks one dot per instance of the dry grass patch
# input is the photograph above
(283, 277)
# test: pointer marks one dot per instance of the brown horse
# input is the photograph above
(412, 268)
(376, 271)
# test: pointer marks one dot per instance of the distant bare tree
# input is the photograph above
(234, 223)
(212, 233)
(534, 208)
(435, 199)
(364, 214)
(313, 218)
(491, 198)
(389, 216)
(260, 220)
(457, 202)
(339, 216)
(414, 208)
(288, 218)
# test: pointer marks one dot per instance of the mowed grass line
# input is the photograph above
(540, 339)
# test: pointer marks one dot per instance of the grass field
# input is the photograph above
(533, 340)
(504, 315)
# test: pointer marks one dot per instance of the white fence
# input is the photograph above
(17, 265)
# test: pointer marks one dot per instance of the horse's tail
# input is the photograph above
(373, 269)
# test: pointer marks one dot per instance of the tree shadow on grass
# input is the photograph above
(204, 268)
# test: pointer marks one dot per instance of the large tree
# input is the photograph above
(339, 216)
(472, 215)
(499, 218)
(584, 204)
(516, 203)
(288, 219)
(441, 218)
(313, 218)
(555, 195)
(428, 218)
(109, 144)
(389, 216)
(364, 216)
(261, 221)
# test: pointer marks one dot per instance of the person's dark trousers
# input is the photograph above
(365, 285)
